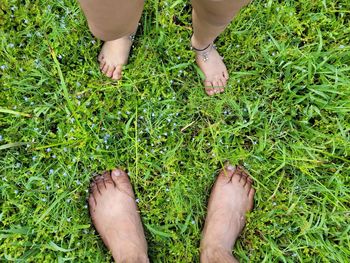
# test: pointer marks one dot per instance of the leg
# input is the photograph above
(115, 216)
(230, 199)
(113, 21)
(210, 18)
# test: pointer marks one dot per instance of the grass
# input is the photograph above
(285, 116)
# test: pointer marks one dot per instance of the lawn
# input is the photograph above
(284, 116)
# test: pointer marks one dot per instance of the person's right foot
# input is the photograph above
(113, 56)
(230, 199)
(115, 216)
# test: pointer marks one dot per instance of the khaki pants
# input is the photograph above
(112, 19)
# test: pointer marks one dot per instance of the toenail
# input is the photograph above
(231, 168)
(116, 173)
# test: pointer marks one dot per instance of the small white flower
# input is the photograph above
(48, 150)
(51, 171)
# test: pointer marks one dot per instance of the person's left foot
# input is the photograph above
(211, 63)
(230, 199)
(115, 216)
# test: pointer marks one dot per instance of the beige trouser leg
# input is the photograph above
(211, 17)
(112, 19)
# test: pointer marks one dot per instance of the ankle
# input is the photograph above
(216, 254)
(199, 45)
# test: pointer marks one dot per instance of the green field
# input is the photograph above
(284, 116)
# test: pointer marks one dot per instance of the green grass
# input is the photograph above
(285, 116)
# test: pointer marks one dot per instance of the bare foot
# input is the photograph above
(213, 67)
(230, 199)
(115, 216)
(114, 54)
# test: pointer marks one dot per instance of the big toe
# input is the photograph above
(209, 89)
(226, 173)
(110, 70)
(117, 74)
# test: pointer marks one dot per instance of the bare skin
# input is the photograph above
(115, 216)
(213, 67)
(113, 56)
(230, 199)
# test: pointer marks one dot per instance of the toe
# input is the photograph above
(243, 180)
(110, 71)
(236, 178)
(122, 182)
(242, 177)
(225, 74)
(217, 86)
(248, 185)
(209, 91)
(117, 74)
(222, 85)
(100, 57)
(226, 173)
(100, 185)
(105, 68)
(251, 198)
(92, 202)
(223, 82)
(208, 85)
(102, 64)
